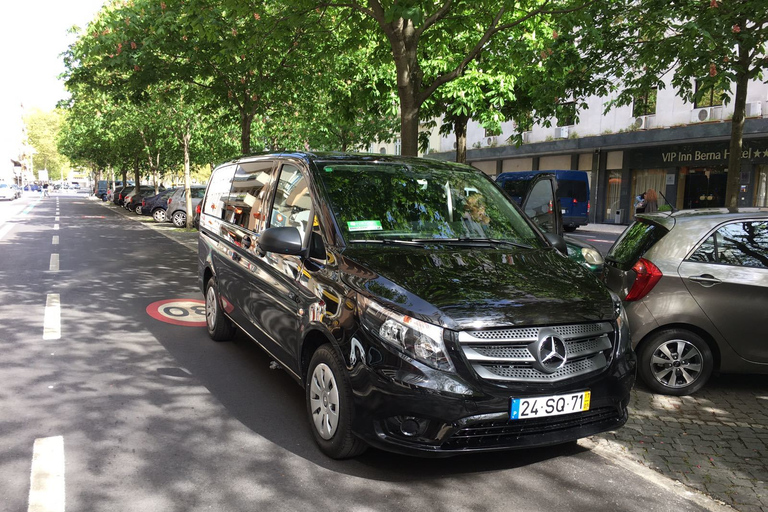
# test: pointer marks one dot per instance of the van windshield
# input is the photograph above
(380, 201)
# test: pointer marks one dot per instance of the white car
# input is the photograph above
(7, 192)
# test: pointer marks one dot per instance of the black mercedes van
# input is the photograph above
(420, 309)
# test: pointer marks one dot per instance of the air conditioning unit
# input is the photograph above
(754, 109)
(561, 132)
(644, 122)
(489, 141)
(700, 115)
(526, 137)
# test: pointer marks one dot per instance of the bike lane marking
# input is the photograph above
(52, 318)
(46, 481)
(185, 312)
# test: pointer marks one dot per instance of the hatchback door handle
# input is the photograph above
(705, 280)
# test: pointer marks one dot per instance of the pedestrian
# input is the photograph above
(640, 204)
(651, 201)
(45, 190)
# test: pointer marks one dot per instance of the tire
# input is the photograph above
(569, 229)
(675, 362)
(159, 215)
(179, 219)
(329, 406)
(220, 328)
(137, 210)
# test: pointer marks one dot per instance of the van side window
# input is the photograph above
(221, 182)
(250, 187)
(293, 201)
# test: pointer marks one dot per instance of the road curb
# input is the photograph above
(616, 453)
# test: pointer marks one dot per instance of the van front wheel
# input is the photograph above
(329, 406)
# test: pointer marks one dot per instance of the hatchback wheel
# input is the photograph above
(220, 328)
(179, 219)
(138, 210)
(675, 362)
(329, 406)
(159, 215)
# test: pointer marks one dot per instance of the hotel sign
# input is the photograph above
(695, 155)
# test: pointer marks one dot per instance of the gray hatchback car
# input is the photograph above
(177, 205)
(695, 288)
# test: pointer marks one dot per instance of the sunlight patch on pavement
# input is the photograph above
(46, 482)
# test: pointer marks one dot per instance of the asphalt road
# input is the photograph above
(131, 413)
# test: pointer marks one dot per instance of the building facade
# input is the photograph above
(677, 149)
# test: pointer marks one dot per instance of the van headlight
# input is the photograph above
(420, 340)
(622, 323)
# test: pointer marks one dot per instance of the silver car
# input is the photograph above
(177, 205)
(695, 288)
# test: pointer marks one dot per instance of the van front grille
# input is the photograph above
(508, 354)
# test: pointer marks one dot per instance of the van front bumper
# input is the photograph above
(396, 412)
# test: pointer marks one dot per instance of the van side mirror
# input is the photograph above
(282, 240)
(558, 242)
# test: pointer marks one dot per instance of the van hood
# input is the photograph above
(470, 288)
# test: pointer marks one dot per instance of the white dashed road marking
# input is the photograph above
(55, 226)
(54, 267)
(46, 482)
(55, 240)
(57, 218)
(52, 319)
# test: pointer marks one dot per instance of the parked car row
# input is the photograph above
(169, 205)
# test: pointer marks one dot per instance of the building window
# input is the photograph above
(644, 104)
(398, 147)
(708, 96)
(383, 151)
(566, 114)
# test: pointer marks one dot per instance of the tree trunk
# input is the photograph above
(246, 120)
(737, 130)
(187, 178)
(137, 175)
(460, 128)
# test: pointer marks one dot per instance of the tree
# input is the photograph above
(432, 45)
(43, 130)
(706, 46)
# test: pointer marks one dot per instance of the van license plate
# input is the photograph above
(522, 408)
(563, 211)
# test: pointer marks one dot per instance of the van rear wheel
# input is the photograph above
(220, 328)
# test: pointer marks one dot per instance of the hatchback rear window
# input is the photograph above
(634, 242)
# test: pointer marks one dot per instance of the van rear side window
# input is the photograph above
(220, 184)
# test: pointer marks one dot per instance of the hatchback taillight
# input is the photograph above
(647, 276)
(197, 208)
(169, 200)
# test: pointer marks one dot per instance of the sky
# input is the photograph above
(32, 38)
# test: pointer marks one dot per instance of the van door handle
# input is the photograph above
(705, 280)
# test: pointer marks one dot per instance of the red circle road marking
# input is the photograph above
(186, 312)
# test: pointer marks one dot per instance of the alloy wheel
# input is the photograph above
(159, 215)
(180, 219)
(324, 401)
(676, 363)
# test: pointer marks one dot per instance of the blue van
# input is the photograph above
(572, 191)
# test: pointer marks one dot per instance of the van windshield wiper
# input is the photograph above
(472, 241)
(388, 241)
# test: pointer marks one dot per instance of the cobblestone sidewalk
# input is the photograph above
(715, 441)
